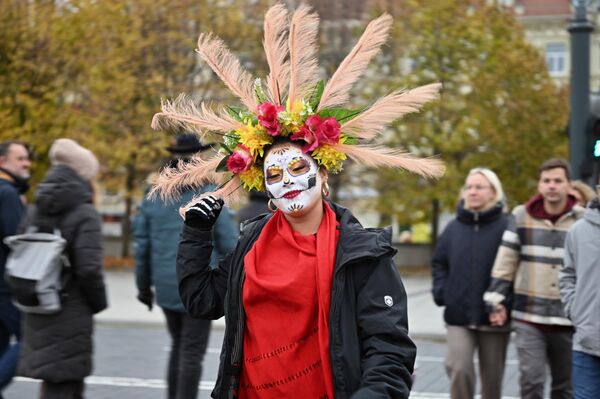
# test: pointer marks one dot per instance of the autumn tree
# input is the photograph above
(35, 75)
(137, 53)
(96, 71)
(499, 108)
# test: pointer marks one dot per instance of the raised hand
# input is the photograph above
(203, 214)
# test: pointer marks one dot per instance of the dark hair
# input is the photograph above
(5, 146)
(553, 164)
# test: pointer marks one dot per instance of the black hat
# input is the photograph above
(187, 144)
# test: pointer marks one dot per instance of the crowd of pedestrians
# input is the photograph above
(533, 272)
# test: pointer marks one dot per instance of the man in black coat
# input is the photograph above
(14, 172)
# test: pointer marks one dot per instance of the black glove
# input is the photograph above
(146, 297)
(203, 214)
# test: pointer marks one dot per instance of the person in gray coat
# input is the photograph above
(579, 279)
(57, 348)
(156, 236)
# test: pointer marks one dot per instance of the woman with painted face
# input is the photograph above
(314, 306)
(461, 265)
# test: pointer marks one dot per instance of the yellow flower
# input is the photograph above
(295, 108)
(293, 117)
(253, 179)
(254, 138)
(329, 157)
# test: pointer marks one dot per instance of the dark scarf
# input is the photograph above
(535, 207)
(22, 185)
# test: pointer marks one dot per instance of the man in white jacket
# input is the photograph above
(579, 278)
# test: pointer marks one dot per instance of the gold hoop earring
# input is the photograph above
(271, 206)
(325, 190)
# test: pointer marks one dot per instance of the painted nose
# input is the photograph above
(286, 178)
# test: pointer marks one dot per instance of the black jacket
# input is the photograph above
(371, 353)
(462, 264)
(58, 347)
(11, 212)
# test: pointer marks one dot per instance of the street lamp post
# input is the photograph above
(580, 29)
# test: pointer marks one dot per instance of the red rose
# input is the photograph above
(240, 160)
(328, 131)
(313, 122)
(308, 133)
(267, 118)
(309, 137)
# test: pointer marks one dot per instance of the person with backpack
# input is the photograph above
(57, 347)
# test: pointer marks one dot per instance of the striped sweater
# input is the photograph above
(528, 262)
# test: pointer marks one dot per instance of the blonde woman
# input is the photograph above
(582, 192)
(462, 262)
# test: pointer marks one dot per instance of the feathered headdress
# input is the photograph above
(293, 103)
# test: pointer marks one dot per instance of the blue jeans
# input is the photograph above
(586, 376)
(10, 329)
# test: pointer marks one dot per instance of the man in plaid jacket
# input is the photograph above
(528, 262)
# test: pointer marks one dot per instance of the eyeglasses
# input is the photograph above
(598, 188)
(476, 187)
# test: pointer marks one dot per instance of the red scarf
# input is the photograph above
(286, 297)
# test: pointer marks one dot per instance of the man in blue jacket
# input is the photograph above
(156, 236)
(14, 173)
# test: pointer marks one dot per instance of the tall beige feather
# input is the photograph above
(337, 90)
(374, 119)
(304, 68)
(228, 68)
(172, 181)
(182, 112)
(276, 48)
(375, 156)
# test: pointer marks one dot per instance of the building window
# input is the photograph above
(556, 54)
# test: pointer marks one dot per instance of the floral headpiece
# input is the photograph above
(293, 103)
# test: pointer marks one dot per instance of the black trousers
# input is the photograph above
(189, 339)
(62, 390)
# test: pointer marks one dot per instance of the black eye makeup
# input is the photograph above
(298, 166)
(274, 174)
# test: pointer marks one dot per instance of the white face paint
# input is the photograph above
(292, 179)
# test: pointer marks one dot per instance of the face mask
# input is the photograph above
(292, 179)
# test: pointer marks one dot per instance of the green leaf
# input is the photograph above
(341, 114)
(226, 148)
(315, 97)
(222, 166)
(349, 140)
(236, 113)
(259, 91)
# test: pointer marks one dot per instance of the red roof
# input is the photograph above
(537, 8)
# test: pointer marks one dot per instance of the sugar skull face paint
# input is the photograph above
(292, 179)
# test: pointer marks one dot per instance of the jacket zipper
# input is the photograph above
(335, 365)
(240, 324)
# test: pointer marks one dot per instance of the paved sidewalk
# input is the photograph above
(425, 319)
